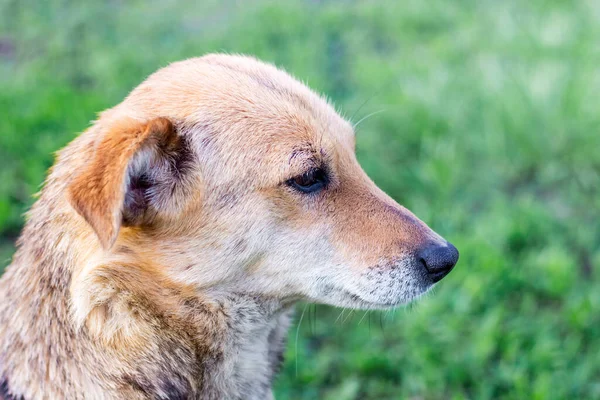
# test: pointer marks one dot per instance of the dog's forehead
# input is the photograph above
(244, 115)
(242, 99)
(269, 104)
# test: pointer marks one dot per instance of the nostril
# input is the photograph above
(422, 260)
(438, 259)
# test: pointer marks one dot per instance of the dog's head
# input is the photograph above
(225, 173)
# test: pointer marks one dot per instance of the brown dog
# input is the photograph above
(173, 237)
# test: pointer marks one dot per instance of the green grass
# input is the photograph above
(490, 132)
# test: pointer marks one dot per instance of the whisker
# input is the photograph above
(387, 314)
(351, 313)
(367, 116)
(363, 317)
(364, 103)
(296, 341)
(309, 319)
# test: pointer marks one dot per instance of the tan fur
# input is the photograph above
(166, 250)
(98, 192)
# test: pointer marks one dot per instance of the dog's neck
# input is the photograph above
(209, 344)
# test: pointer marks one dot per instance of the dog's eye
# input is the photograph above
(310, 181)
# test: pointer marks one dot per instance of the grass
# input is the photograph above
(486, 126)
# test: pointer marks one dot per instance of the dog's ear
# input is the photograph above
(137, 170)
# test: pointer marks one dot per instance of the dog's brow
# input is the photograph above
(302, 159)
(299, 153)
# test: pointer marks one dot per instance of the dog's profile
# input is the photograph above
(172, 239)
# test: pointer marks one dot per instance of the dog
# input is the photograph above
(172, 239)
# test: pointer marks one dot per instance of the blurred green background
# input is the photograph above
(486, 126)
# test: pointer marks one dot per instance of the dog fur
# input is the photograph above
(167, 248)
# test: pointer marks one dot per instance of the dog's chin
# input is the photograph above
(393, 294)
(356, 301)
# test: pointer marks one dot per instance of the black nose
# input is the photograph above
(438, 259)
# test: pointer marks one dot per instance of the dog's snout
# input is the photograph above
(438, 259)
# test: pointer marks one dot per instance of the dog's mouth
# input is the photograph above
(376, 294)
(357, 301)
(403, 281)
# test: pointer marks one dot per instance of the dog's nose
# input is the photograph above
(438, 259)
